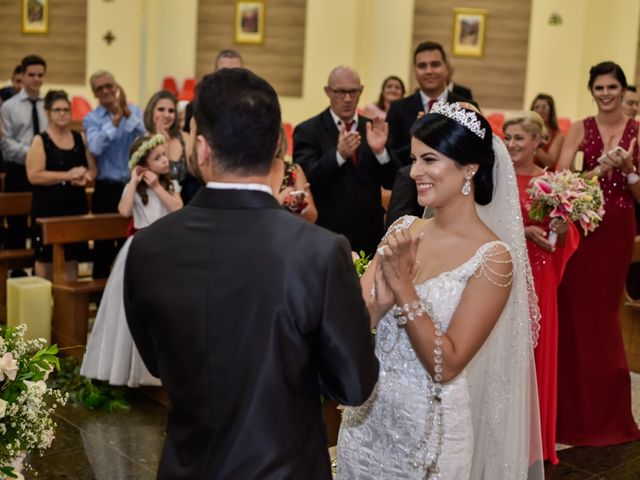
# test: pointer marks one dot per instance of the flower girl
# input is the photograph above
(150, 194)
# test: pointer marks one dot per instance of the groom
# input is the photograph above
(246, 312)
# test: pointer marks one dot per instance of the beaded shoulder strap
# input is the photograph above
(402, 223)
(492, 256)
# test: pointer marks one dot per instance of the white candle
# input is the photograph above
(29, 301)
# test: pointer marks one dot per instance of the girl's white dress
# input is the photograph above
(111, 354)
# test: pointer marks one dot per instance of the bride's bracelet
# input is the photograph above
(408, 312)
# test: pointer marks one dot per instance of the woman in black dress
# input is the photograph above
(59, 167)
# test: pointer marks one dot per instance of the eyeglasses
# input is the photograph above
(341, 93)
(106, 86)
(61, 110)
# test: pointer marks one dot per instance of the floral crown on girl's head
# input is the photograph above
(153, 142)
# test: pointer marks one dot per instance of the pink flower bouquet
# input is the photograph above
(568, 196)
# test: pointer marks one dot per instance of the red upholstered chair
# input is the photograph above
(169, 83)
(188, 90)
(79, 108)
(496, 120)
(563, 124)
(288, 131)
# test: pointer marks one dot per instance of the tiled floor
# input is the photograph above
(127, 445)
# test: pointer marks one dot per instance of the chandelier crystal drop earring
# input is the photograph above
(466, 188)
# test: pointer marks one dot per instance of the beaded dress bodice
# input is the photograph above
(382, 438)
(615, 189)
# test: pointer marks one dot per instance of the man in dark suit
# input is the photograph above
(457, 89)
(246, 312)
(430, 63)
(345, 159)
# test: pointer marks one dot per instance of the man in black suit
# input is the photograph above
(432, 73)
(246, 312)
(457, 89)
(345, 159)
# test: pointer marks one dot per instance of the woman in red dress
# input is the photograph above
(523, 135)
(548, 153)
(594, 388)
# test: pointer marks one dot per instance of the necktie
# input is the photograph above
(430, 104)
(354, 157)
(34, 115)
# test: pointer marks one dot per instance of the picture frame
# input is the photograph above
(35, 16)
(249, 22)
(469, 27)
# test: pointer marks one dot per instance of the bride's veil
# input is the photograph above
(504, 397)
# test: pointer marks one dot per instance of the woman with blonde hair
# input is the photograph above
(523, 135)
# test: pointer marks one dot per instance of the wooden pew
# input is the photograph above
(71, 298)
(630, 320)
(13, 204)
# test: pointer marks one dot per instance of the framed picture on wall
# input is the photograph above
(469, 26)
(35, 16)
(249, 24)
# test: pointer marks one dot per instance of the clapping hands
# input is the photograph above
(377, 134)
(79, 176)
(120, 107)
(348, 142)
(618, 157)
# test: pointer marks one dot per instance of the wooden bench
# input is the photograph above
(71, 298)
(13, 204)
(630, 320)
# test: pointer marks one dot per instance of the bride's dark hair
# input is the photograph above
(457, 142)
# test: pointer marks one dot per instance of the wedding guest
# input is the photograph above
(227, 58)
(548, 153)
(346, 160)
(150, 194)
(160, 116)
(59, 167)
(594, 391)
(432, 74)
(630, 102)
(289, 183)
(457, 89)
(449, 298)
(523, 135)
(392, 90)
(110, 129)
(23, 116)
(16, 85)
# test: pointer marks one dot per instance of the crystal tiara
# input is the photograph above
(466, 118)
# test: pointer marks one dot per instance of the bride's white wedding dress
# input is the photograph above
(383, 438)
(490, 421)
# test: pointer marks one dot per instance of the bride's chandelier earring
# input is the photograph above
(466, 187)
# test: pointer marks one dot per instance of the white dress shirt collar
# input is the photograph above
(425, 98)
(240, 186)
(339, 122)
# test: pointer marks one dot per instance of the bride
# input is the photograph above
(453, 303)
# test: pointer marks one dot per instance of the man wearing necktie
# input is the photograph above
(345, 159)
(432, 74)
(23, 116)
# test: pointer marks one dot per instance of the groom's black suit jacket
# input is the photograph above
(247, 313)
(347, 196)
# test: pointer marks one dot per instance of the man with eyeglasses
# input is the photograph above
(111, 129)
(23, 116)
(346, 161)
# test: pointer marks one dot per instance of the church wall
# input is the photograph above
(155, 38)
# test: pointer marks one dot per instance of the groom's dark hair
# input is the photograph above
(238, 113)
